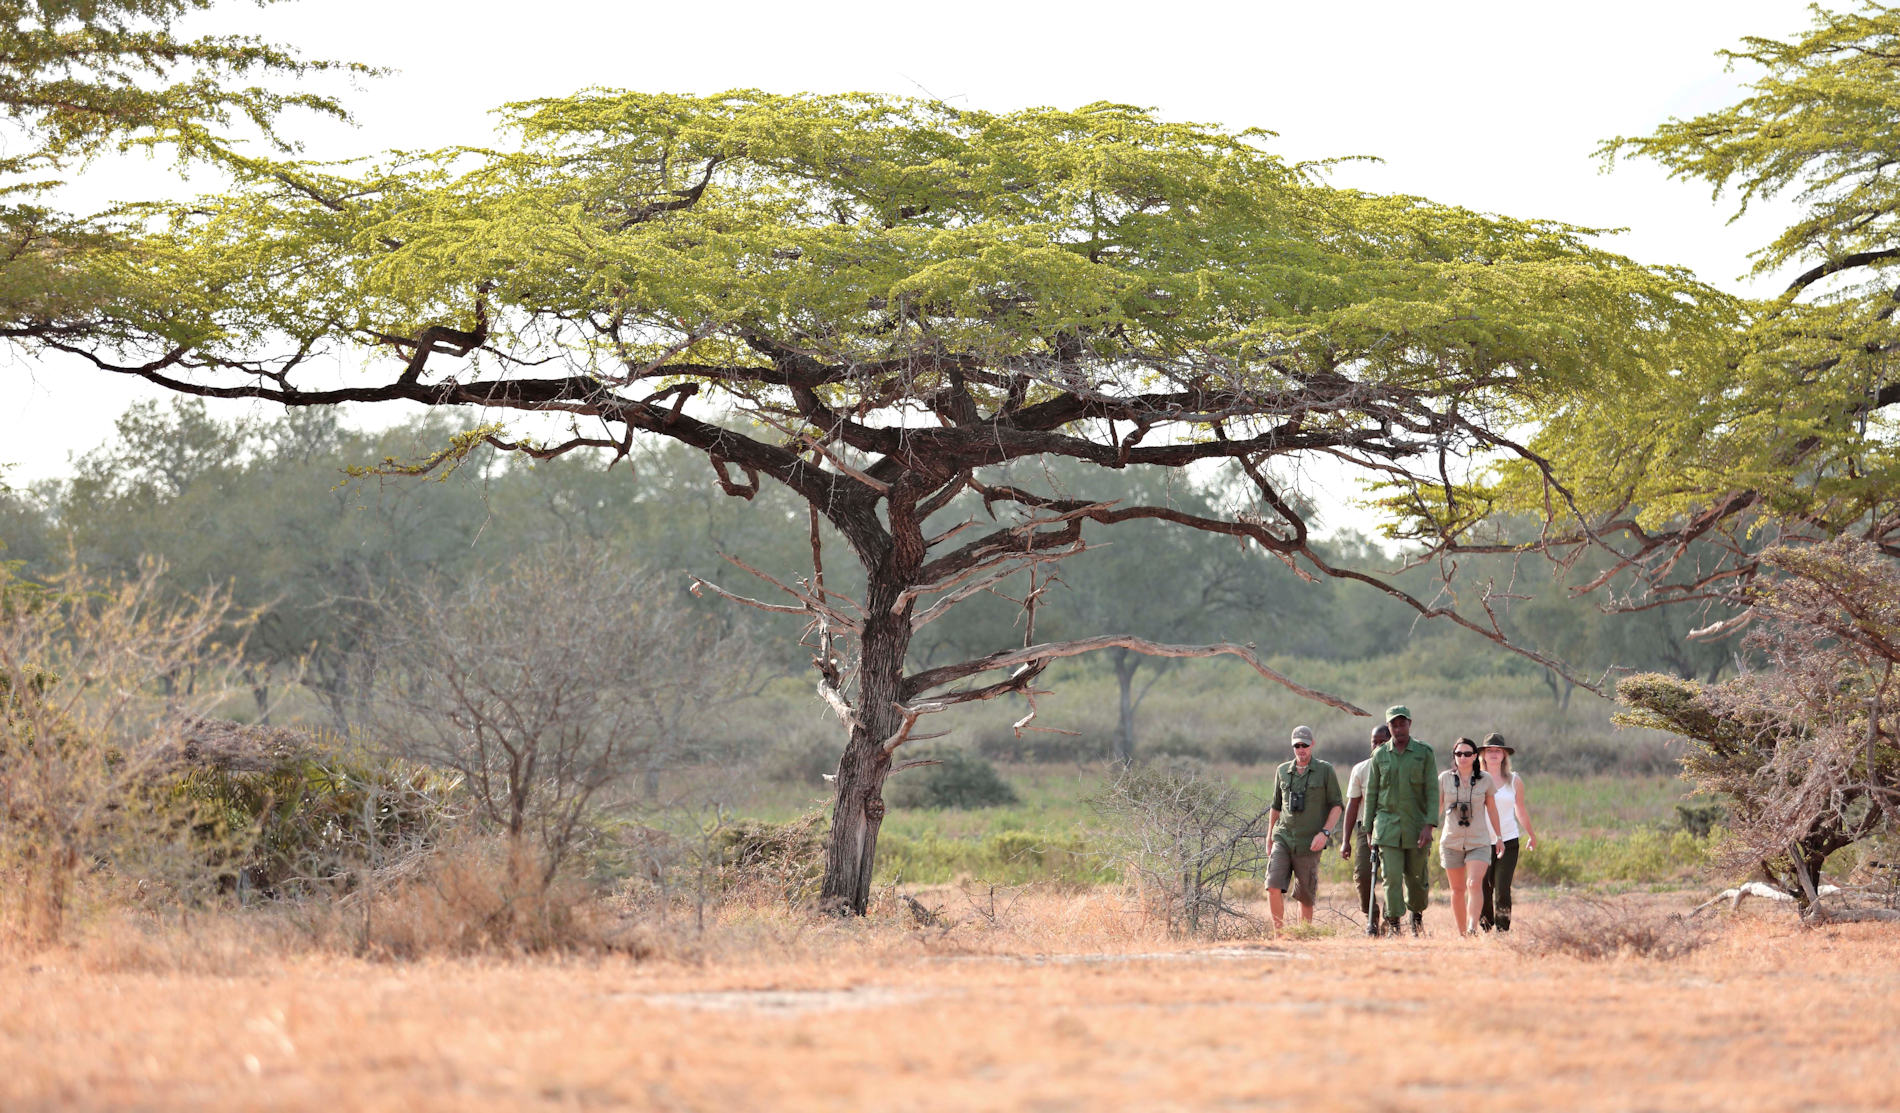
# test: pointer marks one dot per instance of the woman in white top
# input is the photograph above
(1515, 812)
(1467, 835)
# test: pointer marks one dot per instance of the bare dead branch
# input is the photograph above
(922, 682)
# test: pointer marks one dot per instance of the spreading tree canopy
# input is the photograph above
(1789, 431)
(890, 307)
(91, 77)
(1791, 435)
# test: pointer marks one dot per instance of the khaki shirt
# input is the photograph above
(1321, 785)
(1475, 792)
(1402, 793)
(1356, 788)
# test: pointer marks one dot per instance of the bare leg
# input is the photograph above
(1459, 905)
(1474, 889)
(1276, 905)
(1306, 913)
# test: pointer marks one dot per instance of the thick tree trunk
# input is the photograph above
(858, 810)
(1126, 663)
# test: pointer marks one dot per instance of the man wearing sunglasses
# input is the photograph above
(1306, 805)
(1402, 795)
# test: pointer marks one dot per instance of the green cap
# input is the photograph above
(1397, 711)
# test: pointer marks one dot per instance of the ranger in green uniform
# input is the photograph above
(1402, 795)
(1306, 805)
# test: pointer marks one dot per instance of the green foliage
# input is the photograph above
(1790, 419)
(1004, 858)
(317, 820)
(687, 225)
(86, 77)
(962, 780)
(1646, 855)
(260, 507)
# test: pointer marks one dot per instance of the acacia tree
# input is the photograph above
(1788, 434)
(879, 304)
(1804, 749)
(1706, 486)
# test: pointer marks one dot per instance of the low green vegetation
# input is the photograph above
(1593, 829)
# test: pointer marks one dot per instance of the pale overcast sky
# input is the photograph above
(1496, 106)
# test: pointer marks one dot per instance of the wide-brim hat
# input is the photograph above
(1496, 741)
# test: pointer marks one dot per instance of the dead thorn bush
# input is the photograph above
(1600, 930)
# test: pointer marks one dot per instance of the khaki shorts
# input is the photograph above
(1458, 859)
(1302, 868)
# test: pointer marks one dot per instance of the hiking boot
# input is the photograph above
(1504, 921)
(1418, 923)
(1392, 926)
(1372, 927)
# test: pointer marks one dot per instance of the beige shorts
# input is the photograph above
(1453, 859)
(1302, 868)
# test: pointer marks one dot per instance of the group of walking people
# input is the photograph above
(1393, 802)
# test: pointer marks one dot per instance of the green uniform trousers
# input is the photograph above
(1407, 877)
(1362, 868)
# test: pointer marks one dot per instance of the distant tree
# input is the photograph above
(1170, 585)
(875, 303)
(264, 510)
(26, 529)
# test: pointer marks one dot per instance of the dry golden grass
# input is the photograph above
(1032, 1001)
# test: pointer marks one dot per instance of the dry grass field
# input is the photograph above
(1044, 1001)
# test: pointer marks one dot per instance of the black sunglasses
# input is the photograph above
(1464, 753)
(1302, 745)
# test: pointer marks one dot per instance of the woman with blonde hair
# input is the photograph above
(1514, 808)
(1468, 833)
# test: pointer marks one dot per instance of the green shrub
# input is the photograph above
(1701, 817)
(962, 780)
(1643, 855)
(1004, 858)
(315, 818)
(1552, 863)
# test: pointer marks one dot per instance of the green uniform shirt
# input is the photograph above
(1321, 785)
(1402, 793)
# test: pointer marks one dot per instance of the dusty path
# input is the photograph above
(1768, 1017)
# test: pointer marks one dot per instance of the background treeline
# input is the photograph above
(265, 508)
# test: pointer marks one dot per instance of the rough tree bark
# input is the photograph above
(858, 809)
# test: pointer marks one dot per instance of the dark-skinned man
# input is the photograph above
(1402, 795)
(1306, 804)
(1355, 844)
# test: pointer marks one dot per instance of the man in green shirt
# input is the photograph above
(1402, 796)
(1306, 805)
